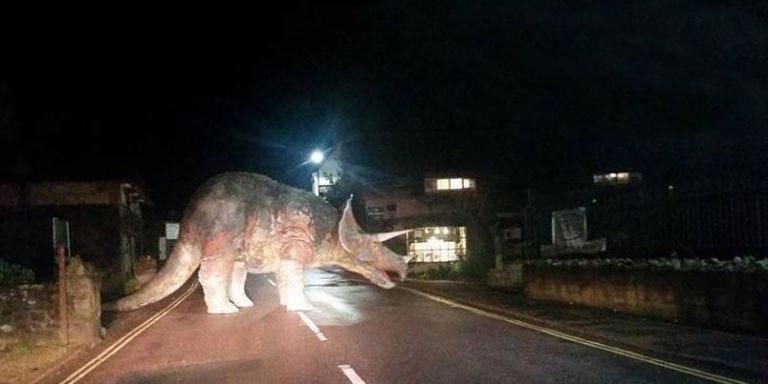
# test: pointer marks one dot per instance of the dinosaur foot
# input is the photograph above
(222, 308)
(242, 302)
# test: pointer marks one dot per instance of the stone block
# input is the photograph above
(505, 278)
(84, 303)
(699, 315)
(698, 300)
(631, 299)
(723, 301)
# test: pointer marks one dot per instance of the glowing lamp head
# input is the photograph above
(317, 157)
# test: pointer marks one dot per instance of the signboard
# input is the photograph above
(569, 234)
(569, 226)
(171, 231)
(375, 212)
(60, 231)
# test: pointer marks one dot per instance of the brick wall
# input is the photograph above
(723, 300)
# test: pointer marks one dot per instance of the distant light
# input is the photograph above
(671, 187)
(317, 157)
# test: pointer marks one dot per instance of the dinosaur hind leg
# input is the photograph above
(215, 273)
(237, 286)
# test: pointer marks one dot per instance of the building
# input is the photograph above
(453, 217)
(101, 221)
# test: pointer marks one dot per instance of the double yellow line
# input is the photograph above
(564, 336)
(120, 343)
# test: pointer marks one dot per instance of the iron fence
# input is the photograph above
(697, 223)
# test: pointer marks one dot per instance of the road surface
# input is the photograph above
(358, 333)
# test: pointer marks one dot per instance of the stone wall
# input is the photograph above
(29, 314)
(508, 277)
(723, 300)
(423, 267)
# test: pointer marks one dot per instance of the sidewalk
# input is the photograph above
(743, 356)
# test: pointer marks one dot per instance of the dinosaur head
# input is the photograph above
(365, 254)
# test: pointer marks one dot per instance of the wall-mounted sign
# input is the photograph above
(171, 231)
(569, 226)
(569, 234)
(60, 229)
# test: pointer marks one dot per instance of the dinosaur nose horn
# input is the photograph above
(403, 273)
(384, 236)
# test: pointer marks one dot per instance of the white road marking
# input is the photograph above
(350, 313)
(353, 377)
(272, 282)
(632, 355)
(123, 341)
(312, 326)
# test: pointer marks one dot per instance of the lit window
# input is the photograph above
(438, 244)
(448, 184)
(616, 178)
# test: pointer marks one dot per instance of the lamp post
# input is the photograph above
(316, 157)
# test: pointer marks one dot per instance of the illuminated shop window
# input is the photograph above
(616, 178)
(437, 244)
(449, 184)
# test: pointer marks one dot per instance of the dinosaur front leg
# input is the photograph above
(237, 286)
(215, 273)
(290, 286)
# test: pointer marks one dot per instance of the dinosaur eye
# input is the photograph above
(364, 255)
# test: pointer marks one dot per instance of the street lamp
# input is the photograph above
(316, 157)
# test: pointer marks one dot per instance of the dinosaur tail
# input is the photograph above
(181, 264)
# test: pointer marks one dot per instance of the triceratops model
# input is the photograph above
(240, 223)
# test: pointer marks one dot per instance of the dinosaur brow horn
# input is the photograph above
(349, 231)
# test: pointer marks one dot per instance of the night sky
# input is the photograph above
(542, 93)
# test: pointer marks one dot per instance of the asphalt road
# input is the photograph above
(358, 333)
